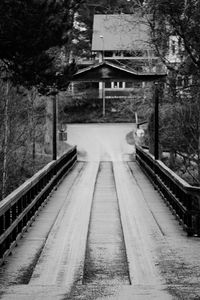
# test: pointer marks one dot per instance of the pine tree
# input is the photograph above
(28, 30)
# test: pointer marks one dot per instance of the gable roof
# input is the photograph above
(106, 71)
(120, 32)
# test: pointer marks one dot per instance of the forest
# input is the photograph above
(39, 40)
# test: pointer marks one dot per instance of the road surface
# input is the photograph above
(104, 234)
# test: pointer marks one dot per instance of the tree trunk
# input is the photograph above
(33, 128)
(5, 144)
(48, 126)
(198, 152)
(31, 97)
(172, 156)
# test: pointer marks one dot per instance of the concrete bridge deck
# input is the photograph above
(104, 234)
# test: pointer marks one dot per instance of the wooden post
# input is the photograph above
(54, 127)
(156, 123)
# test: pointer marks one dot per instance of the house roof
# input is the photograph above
(106, 71)
(120, 32)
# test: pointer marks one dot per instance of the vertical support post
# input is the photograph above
(54, 127)
(100, 90)
(136, 120)
(156, 123)
(103, 83)
(104, 99)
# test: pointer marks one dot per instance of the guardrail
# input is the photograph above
(182, 198)
(19, 209)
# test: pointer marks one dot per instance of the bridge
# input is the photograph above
(104, 221)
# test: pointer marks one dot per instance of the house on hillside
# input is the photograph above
(120, 44)
(123, 40)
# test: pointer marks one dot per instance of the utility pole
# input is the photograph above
(103, 83)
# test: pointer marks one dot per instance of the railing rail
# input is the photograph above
(182, 198)
(19, 209)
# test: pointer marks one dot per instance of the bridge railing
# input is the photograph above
(19, 209)
(182, 198)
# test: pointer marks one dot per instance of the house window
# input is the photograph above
(107, 85)
(118, 53)
(118, 85)
(108, 53)
(127, 54)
